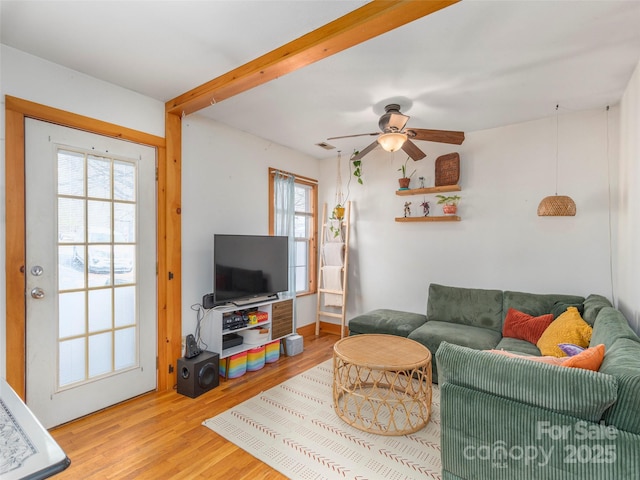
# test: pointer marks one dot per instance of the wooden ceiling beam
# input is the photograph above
(360, 25)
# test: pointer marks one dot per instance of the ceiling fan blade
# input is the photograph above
(357, 135)
(364, 151)
(440, 136)
(412, 150)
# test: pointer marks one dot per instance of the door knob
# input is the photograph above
(37, 293)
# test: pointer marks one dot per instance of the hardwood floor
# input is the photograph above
(160, 435)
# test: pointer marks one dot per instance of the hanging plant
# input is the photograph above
(334, 226)
(357, 167)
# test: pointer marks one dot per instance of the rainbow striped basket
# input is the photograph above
(255, 358)
(237, 365)
(272, 352)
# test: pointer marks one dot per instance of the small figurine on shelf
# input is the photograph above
(407, 209)
(425, 208)
(421, 183)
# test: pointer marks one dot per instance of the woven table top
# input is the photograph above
(385, 352)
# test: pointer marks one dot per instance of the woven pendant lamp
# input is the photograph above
(557, 205)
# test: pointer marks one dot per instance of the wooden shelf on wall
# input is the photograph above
(444, 218)
(429, 190)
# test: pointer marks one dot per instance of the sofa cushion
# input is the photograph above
(567, 328)
(592, 306)
(536, 303)
(589, 359)
(622, 361)
(571, 349)
(467, 306)
(521, 325)
(432, 333)
(391, 322)
(560, 307)
(518, 346)
(610, 326)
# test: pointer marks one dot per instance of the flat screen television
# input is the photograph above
(249, 267)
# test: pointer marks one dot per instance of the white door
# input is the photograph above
(91, 271)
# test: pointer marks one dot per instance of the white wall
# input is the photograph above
(628, 234)
(31, 78)
(225, 190)
(501, 242)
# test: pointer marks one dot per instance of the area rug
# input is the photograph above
(293, 428)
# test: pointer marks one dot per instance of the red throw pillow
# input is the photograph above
(521, 325)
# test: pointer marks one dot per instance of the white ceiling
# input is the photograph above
(474, 65)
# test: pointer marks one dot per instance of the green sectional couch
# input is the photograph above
(512, 418)
(471, 317)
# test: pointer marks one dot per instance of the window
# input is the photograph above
(305, 227)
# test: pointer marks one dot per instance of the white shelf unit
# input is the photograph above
(279, 322)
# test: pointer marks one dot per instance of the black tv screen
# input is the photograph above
(249, 266)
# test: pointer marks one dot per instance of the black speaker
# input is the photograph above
(199, 374)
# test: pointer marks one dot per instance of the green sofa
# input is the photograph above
(511, 418)
(471, 317)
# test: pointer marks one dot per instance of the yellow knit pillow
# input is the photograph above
(567, 328)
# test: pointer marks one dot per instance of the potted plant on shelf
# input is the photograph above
(449, 203)
(405, 180)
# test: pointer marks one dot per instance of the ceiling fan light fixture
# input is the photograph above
(392, 141)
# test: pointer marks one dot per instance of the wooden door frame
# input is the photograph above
(169, 326)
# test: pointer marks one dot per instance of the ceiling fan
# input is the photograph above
(393, 136)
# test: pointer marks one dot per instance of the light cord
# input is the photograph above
(339, 195)
(607, 148)
(557, 148)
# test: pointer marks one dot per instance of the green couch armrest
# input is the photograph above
(571, 391)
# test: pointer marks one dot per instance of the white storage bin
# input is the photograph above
(255, 336)
(294, 344)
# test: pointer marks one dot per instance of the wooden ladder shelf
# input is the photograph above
(334, 245)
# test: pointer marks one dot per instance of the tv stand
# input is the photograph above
(279, 322)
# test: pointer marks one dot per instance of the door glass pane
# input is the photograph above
(99, 221)
(99, 354)
(99, 177)
(99, 309)
(125, 348)
(124, 263)
(70, 220)
(99, 265)
(71, 314)
(71, 357)
(69, 275)
(70, 173)
(125, 306)
(124, 222)
(124, 181)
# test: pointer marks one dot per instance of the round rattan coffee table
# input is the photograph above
(382, 383)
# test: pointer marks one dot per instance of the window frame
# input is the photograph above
(312, 260)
